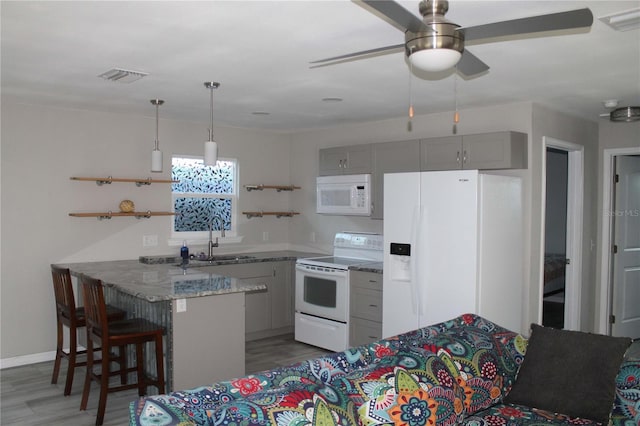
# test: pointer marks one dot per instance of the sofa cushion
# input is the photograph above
(483, 356)
(413, 387)
(519, 415)
(318, 404)
(569, 372)
(626, 408)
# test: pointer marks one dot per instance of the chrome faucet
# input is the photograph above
(221, 228)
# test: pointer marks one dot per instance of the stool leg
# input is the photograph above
(104, 385)
(140, 361)
(159, 364)
(56, 363)
(124, 365)
(88, 377)
(73, 346)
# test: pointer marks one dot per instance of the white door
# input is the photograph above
(626, 259)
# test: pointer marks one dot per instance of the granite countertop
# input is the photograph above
(376, 267)
(164, 279)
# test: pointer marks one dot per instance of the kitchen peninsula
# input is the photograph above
(202, 309)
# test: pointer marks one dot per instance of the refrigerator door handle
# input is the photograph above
(416, 224)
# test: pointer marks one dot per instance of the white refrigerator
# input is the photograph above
(453, 244)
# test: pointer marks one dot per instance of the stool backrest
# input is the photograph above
(63, 290)
(95, 308)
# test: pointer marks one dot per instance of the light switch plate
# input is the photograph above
(181, 305)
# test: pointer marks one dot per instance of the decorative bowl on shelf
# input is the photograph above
(127, 206)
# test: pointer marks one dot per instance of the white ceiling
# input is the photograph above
(52, 53)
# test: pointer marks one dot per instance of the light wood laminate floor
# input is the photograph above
(28, 398)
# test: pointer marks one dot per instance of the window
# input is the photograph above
(204, 196)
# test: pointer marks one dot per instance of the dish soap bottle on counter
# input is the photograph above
(184, 253)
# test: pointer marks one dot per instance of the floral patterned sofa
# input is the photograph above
(455, 372)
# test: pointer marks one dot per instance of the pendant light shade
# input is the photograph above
(211, 147)
(156, 154)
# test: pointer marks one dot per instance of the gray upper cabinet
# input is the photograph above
(486, 151)
(345, 160)
(391, 157)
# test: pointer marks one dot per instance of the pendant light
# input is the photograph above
(211, 147)
(156, 154)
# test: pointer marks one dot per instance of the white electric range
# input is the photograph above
(322, 289)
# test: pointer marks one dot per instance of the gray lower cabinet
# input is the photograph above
(485, 151)
(365, 304)
(270, 312)
(345, 160)
(391, 157)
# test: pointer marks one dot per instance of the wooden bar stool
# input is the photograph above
(133, 331)
(67, 314)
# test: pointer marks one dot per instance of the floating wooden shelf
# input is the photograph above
(276, 214)
(108, 180)
(109, 215)
(276, 187)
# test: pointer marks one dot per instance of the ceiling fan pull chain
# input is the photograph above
(410, 122)
(456, 114)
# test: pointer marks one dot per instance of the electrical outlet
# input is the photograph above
(149, 240)
(181, 305)
(265, 236)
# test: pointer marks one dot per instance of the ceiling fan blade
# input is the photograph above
(470, 65)
(555, 21)
(359, 55)
(398, 14)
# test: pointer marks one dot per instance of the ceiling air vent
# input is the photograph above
(626, 114)
(122, 76)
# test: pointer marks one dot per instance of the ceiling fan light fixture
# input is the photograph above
(625, 114)
(435, 60)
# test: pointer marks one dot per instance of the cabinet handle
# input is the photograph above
(373, 306)
(464, 156)
(340, 164)
(458, 157)
(373, 281)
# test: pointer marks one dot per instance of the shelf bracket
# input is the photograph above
(253, 214)
(105, 216)
(254, 188)
(279, 215)
(143, 182)
(285, 188)
(146, 215)
(106, 181)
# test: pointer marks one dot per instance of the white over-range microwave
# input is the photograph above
(344, 195)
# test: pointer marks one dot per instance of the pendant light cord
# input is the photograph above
(211, 128)
(157, 142)
(410, 122)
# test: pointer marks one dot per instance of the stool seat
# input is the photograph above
(67, 314)
(112, 334)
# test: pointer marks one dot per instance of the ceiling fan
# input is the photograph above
(434, 43)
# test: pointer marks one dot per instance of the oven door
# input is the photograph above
(322, 292)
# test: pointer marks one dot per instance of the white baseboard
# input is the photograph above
(27, 359)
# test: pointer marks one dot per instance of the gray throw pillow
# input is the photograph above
(569, 372)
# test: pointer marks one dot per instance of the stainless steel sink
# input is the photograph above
(217, 258)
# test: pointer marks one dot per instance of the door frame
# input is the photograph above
(603, 286)
(575, 202)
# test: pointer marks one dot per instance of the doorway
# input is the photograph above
(561, 275)
(555, 238)
(620, 288)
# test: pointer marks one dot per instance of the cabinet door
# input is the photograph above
(358, 159)
(441, 153)
(332, 161)
(499, 150)
(363, 332)
(340, 160)
(391, 157)
(257, 307)
(282, 301)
